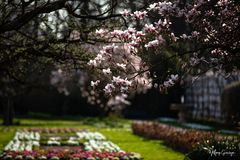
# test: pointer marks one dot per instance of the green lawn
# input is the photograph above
(116, 130)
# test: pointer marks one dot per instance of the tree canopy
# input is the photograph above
(112, 49)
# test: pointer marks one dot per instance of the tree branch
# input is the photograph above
(20, 21)
(94, 17)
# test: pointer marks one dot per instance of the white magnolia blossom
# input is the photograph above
(139, 15)
(92, 63)
(165, 7)
(171, 81)
(118, 100)
(95, 83)
(121, 81)
(121, 66)
(101, 32)
(149, 28)
(153, 44)
(107, 71)
(153, 6)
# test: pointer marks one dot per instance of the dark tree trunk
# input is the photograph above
(7, 104)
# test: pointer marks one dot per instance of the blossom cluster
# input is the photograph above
(123, 66)
(118, 71)
(123, 71)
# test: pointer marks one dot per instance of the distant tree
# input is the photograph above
(35, 36)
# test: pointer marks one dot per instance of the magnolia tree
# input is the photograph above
(111, 54)
(121, 65)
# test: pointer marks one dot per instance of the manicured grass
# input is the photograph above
(149, 149)
(116, 130)
(5, 136)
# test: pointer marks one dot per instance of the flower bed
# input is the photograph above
(54, 130)
(178, 138)
(24, 140)
(66, 155)
(62, 144)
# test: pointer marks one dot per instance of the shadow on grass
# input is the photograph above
(38, 119)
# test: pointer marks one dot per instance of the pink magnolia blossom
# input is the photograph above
(124, 13)
(121, 66)
(109, 88)
(149, 28)
(95, 83)
(101, 32)
(139, 15)
(153, 44)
